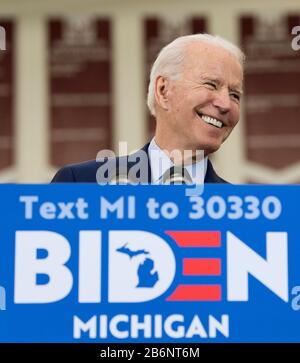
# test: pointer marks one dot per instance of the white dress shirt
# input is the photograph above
(160, 163)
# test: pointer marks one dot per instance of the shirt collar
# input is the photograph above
(160, 163)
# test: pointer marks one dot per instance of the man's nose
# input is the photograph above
(222, 100)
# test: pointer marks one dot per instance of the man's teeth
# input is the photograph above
(211, 120)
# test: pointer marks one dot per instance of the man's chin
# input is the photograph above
(210, 149)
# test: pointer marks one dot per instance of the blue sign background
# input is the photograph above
(264, 318)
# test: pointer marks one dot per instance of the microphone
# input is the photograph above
(176, 175)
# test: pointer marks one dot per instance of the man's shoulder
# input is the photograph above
(84, 172)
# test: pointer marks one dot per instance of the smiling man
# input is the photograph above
(194, 94)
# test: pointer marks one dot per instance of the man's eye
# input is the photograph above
(211, 84)
(236, 96)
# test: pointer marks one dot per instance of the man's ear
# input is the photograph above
(162, 85)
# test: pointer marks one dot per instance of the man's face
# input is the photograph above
(202, 107)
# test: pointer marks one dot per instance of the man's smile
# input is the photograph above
(210, 120)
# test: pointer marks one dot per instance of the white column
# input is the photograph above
(128, 80)
(31, 102)
(229, 160)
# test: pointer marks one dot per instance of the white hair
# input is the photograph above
(170, 59)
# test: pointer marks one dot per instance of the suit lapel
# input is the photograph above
(138, 165)
(211, 176)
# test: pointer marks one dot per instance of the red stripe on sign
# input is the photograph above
(196, 238)
(202, 266)
(196, 293)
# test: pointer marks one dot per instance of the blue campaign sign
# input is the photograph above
(84, 263)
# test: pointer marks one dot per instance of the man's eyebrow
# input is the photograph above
(206, 77)
(211, 78)
(236, 90)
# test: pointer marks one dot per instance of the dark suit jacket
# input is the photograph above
(88, 172)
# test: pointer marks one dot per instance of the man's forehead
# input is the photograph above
(209, 60)
(202, 50)
(201, 46)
